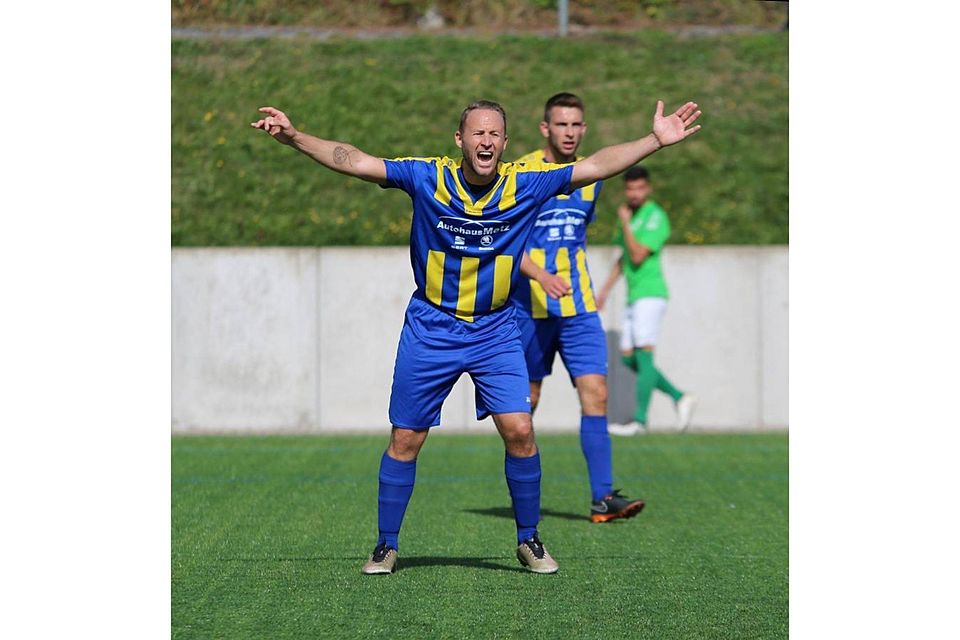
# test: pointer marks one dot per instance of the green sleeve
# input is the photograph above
(655, 231)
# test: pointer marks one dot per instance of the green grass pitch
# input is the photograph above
(269, 533)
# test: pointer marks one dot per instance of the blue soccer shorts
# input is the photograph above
(579, 339)
(436, 349)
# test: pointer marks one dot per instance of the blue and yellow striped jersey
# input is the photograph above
(559, 245)
(466, 248)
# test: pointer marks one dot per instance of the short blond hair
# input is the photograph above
(483, 104)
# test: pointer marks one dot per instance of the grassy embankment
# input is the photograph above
(402, 97)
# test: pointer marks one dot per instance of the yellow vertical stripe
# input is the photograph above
(442, 194)
(501, 280)
(567, 306)
(588, 193)
(509, 196)
(467, 298)
(538, 297)
(435, 276)
(586, 287)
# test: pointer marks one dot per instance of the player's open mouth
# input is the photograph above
(484, 156)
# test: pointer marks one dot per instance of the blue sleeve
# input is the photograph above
(548, 184)
(404, 173)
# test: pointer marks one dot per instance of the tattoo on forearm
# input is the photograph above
(341, 155)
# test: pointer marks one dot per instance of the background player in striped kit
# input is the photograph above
(471, 219)
(556, 310)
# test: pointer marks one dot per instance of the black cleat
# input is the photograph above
(614, 506)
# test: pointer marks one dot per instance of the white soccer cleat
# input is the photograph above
(533, 555)
(629, 429)
(685, 406)
(382, 560)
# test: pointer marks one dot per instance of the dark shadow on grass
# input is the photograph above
(360, 559)
(447, 561)
(411, 562)
(507, 512)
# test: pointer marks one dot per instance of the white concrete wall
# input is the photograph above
(304, 340)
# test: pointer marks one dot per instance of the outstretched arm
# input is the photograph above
(339, 156)
(610, 161)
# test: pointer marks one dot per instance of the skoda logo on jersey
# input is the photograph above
(569, 231)
(486, 241)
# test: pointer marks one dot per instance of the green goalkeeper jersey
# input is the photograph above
(651, 228)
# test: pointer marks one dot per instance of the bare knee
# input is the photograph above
(516, 429)
(593, 394)
(405, 444)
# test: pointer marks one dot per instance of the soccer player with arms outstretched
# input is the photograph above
(556, 308)
(471, 219)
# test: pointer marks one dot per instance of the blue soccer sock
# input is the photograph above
(523, 479)
(396, 487)
(595, 444)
